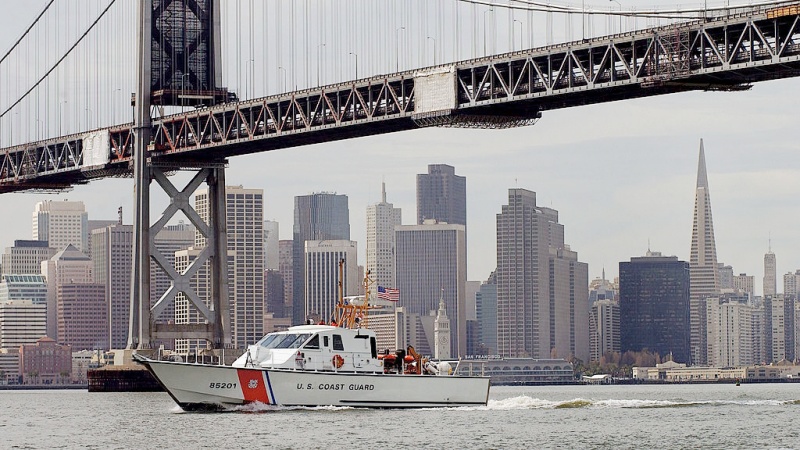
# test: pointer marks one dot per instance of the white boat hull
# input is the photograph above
(197, 386)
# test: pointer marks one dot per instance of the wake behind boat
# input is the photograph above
(319, 365)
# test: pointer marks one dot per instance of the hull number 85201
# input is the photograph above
(222, 385)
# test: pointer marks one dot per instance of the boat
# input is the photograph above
(334, 364)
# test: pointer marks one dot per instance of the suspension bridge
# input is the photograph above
(441, 65)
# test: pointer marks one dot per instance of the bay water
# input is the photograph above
(724, 416)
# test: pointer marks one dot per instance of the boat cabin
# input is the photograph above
(315, 348)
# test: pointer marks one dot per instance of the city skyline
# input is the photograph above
(621, 174)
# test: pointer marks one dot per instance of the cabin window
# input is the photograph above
(325, 341)
(374, 347)
(337, 342)
(313, 343)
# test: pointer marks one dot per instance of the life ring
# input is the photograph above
(337, 361)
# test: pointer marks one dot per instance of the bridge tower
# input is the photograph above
(179, 65)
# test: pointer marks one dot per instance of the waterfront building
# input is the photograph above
(770, 286)
(26, 257)
(486, 311)
(431, 265)
(654, 306)
(442, 196)
(759, 333)
(703, 268)
(542, 290)
(381, 219)
(729, 331)
(245, 222)
(71, 266)
(168, 240)
(61, 223)
(112, 255)
(322, 276)
(45, 362)
(441, 333)
(271, 243)
(520, 371)
(317, 217)
(21, 322)
(603, 329)
(744, 283)
(9, 366)
(285, 268)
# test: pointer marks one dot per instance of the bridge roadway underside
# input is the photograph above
(724, 53)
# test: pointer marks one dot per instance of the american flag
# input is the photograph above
(390, 294)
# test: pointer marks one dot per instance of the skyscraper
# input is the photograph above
(112, 255)
(442, 195)
(703, 268)
(542, 289)
(285, 268)
(322, 275)
(71, 266)
(486, 309)
(654, 305)
(603, 328)
(317, 217)
(245, 221)
(770, 274)
(168, 240)
(432, 265)
(271, 239)
(730, 324)
(381, 219)
(61, 224)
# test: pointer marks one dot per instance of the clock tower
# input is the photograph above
(441, 333)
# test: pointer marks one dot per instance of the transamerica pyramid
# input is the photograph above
(703, 270)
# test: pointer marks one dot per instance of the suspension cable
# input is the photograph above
(25, 95)
(26, 31)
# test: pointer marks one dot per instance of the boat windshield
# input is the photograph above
(292, 340)
(270, 340)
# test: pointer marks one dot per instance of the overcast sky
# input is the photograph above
(621, 175)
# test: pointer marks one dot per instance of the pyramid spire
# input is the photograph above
(703, 269)
(702, 176)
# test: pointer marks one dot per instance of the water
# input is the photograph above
(614, 417)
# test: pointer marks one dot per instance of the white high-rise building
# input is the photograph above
(729, 328)
(112, 255)
(770, 286)
(791, 284)
(322, 275)
(381, 219)
(245, 222)
(603, 328)
(703, 268)
(778, 327)
(744, 283)
(61, 224)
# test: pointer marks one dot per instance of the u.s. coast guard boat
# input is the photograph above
(316, 365)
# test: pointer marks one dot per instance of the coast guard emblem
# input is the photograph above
(253, 384)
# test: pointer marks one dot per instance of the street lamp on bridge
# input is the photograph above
(434, 49)
(356, 55)
(397, 48)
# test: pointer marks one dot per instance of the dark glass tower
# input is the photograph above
(442, 195)
(321, 216)
(654, 306)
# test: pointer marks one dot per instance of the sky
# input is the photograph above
(622, 176)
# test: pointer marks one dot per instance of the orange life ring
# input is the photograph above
(337, 361)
